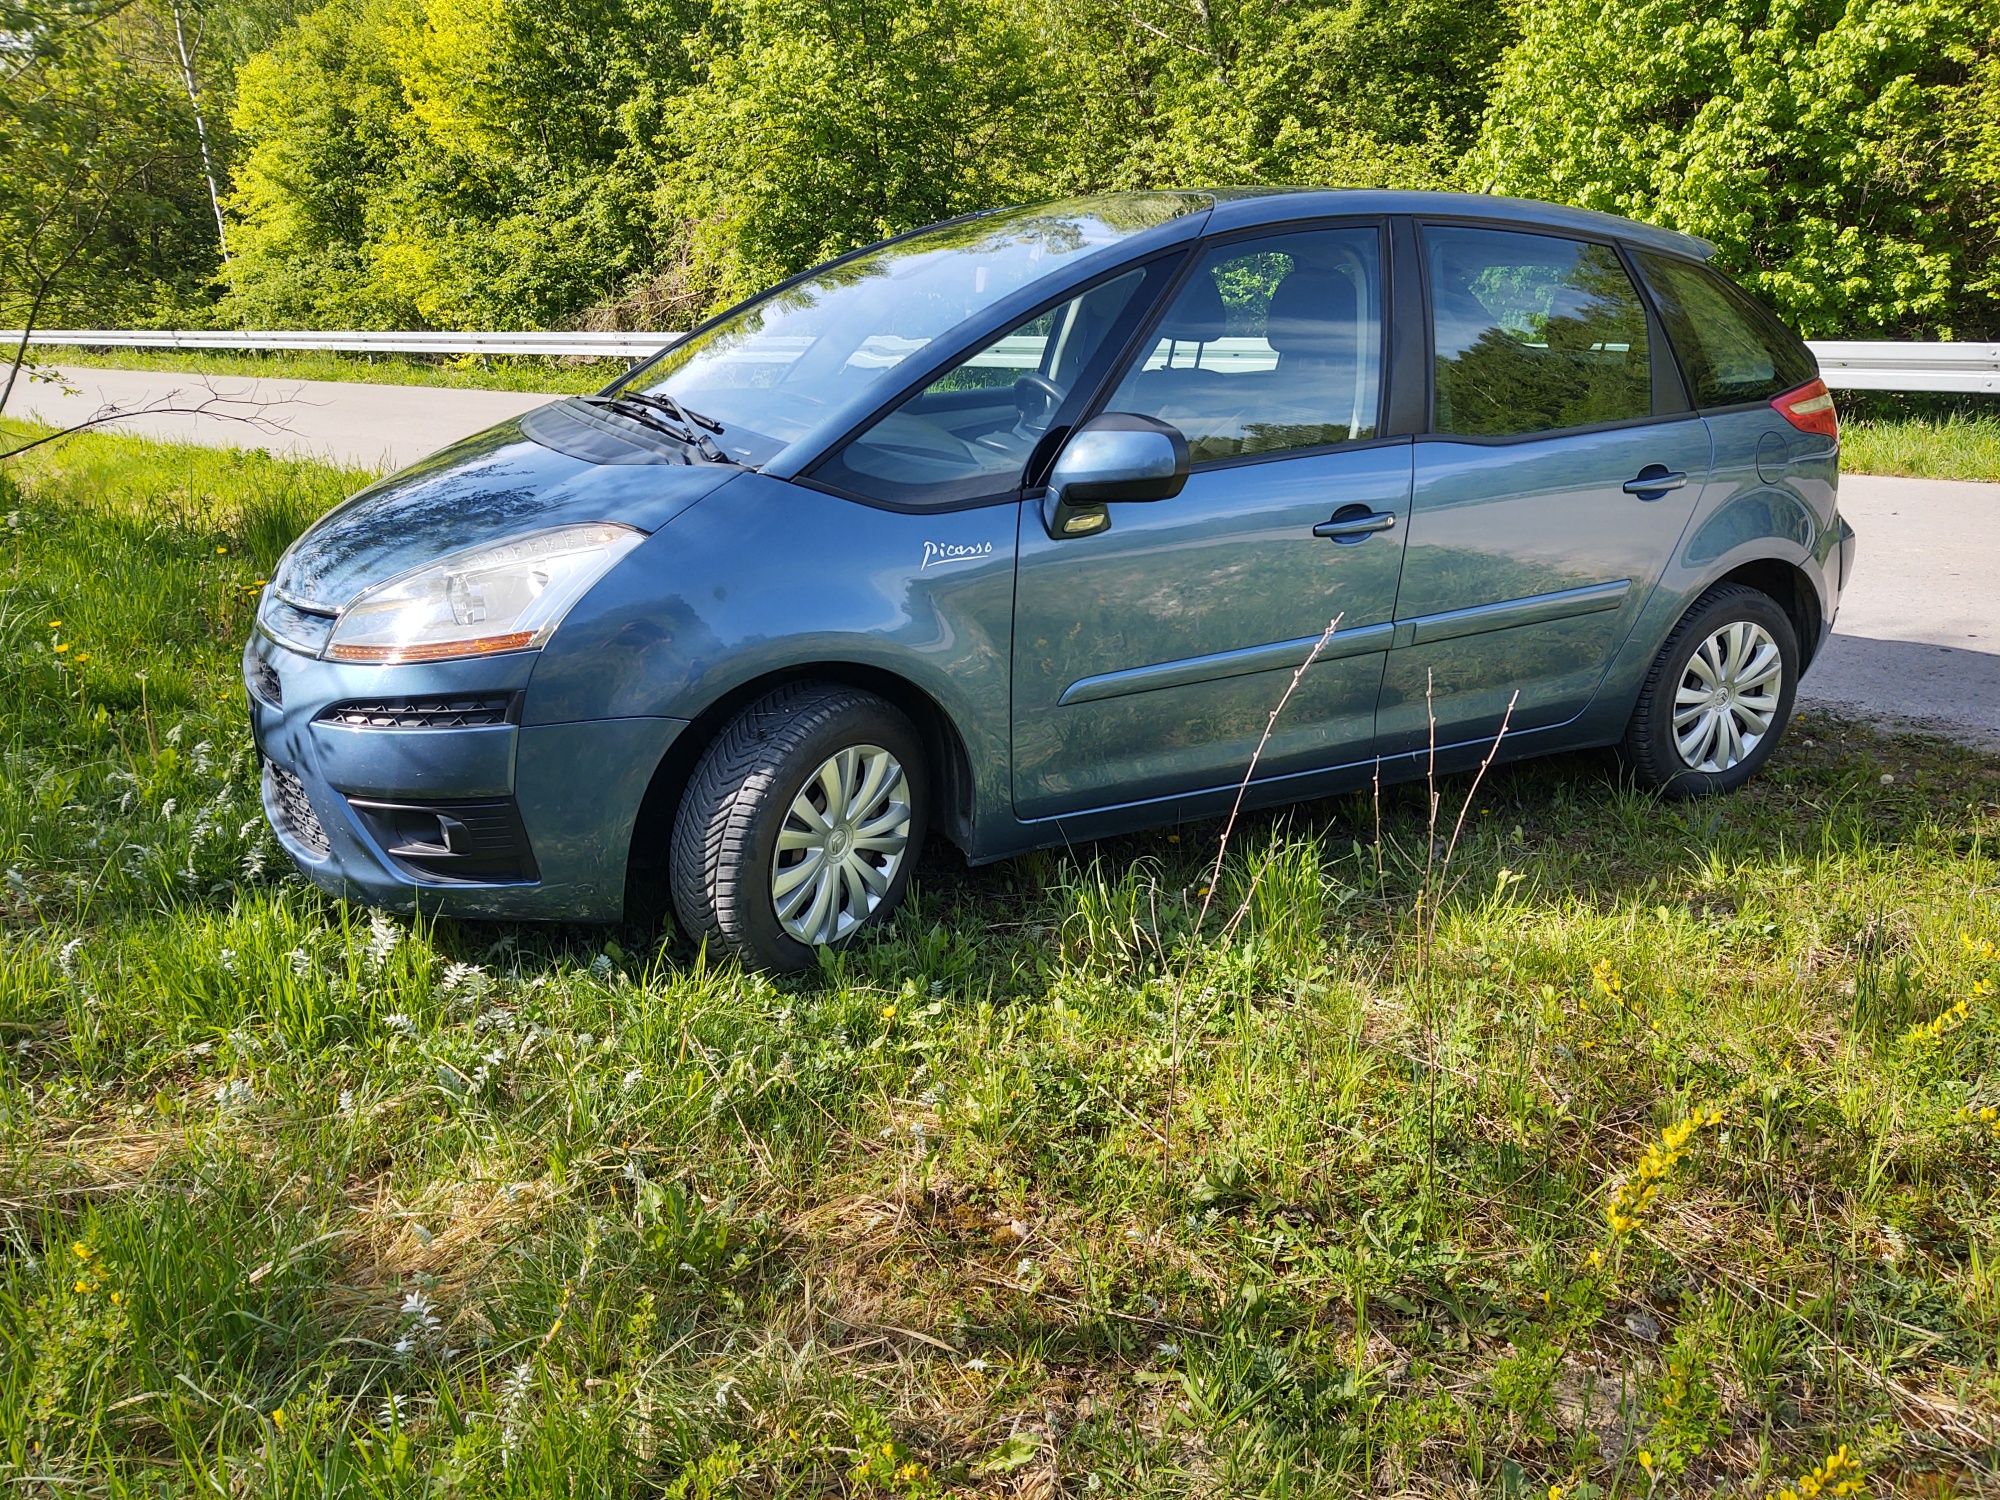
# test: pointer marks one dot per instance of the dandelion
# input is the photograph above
(61, 647)
(55, 624)
(888, 1012)
(82, 657)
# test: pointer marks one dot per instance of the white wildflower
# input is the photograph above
(237, 1093)
(632, 1079)
(468, 977)
(168, 808)
(383, 936)
(347, 1102)
(227, 960)
(66, 959)
(390, 1413)
(977, 1365)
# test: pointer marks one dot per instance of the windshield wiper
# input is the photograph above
(684, 426)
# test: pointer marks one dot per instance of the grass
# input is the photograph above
(1954, 445)
(498, 372)
(1639, 1153)
(1929, 440)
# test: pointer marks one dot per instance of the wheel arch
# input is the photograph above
(949, 762)
(1788, 586)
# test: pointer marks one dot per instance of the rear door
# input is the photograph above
(1148, 656)
(1559, 470)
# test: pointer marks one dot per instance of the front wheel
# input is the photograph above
(799, 826)
(1718, 697)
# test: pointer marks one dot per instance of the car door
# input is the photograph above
(1559, 470)
(1149, 655)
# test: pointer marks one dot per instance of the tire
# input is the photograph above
(1720, 650)
(724, 854)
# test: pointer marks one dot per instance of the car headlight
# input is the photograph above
(500, 596)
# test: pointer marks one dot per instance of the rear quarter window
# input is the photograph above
(1731, 350)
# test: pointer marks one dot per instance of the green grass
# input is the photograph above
(1051, 1190)
(498, 372)
(1955, 445)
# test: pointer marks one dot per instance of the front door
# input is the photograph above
(1149, 656)
(1549, 494)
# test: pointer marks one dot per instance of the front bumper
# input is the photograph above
(419, 786)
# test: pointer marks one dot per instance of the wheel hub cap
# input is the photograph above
(1728, 697)
(842, 844)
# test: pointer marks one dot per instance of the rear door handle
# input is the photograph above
(1354, 523)
(1654, 479)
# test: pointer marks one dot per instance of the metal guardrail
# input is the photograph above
(1862, 365)
(1883, 365)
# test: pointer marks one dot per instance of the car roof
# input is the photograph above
(1247, 207)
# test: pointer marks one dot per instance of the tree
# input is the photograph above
(1828, 151)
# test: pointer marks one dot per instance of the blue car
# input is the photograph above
(1017, 527)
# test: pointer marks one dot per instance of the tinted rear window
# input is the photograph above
(1532, 333)
(1730, 349)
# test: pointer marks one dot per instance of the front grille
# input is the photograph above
(266, 684)
(473, 712)
(293, 810)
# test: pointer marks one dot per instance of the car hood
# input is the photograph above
(487, 487)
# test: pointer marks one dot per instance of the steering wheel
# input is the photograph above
(1036, 397)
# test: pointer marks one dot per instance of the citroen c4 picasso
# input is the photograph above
(1017, 527)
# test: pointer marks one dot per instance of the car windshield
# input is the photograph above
(771, 371)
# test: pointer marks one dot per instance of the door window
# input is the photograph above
(1731, 350)
(968, 434)
(1532, 333)
(1270, 345)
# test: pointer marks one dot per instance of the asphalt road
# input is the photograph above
(1917, 642)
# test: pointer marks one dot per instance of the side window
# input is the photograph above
(1532, 334)
(1730, 349)
(1269, 345)
(969, 433)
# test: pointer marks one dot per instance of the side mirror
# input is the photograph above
(1118, 456)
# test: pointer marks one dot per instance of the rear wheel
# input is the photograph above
(799, 826)
(1718, 697)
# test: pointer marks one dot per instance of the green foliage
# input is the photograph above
(1842, 158)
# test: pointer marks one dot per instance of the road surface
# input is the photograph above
(1917, 642)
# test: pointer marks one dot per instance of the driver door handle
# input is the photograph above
(1354, 523)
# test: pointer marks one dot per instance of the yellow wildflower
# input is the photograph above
(1838, 1474)
(888, 1012)
(55, 624)
(278, 1418)
(61, 646)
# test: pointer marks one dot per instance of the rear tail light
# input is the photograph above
(1810, 409)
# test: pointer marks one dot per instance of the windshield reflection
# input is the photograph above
(769, 372)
